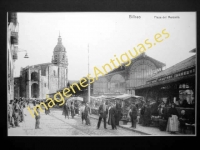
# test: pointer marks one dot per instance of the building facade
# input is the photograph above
(39, 80)
(174, 83)
(125, 79)
(12, 47)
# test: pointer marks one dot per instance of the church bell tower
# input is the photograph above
(59, 54)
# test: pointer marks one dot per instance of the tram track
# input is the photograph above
(87, 130)
(69, 124)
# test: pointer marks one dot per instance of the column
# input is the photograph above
(29, 83)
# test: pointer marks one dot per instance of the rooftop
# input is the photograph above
(142, 55)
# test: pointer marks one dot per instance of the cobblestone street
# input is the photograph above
(55, 124)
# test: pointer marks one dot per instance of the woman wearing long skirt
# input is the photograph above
(172, 125)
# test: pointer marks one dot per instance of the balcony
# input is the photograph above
(12, 17)
(14, 38)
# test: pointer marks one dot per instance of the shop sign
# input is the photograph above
(179, 74)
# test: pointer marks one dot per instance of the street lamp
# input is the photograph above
(21, 50)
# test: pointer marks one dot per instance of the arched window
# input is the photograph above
(140, 74)
(101, 85)
(34, 76)
(117, 84)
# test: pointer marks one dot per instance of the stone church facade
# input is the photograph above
(39, 80)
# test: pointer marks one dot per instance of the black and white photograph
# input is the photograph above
(77, 74)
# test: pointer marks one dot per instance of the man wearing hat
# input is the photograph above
(103, 111)
(87, 112)
(82, 112)
(133, 115)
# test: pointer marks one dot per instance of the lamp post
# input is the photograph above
(21, 50)
(16, 50)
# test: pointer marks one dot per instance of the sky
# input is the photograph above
(106, 33)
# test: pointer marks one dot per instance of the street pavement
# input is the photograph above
(55, 124)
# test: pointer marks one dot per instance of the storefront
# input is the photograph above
(176, 83)
(173, 85)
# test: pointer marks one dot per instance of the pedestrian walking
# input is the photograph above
(87, 114)
(133, 115)
(72, 110)
(103, 111)
(113, 113)
(37, 118)
(66, 110)
(47, 111)
(118, 113)
(82, 112)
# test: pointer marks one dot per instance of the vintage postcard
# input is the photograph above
(101, 73)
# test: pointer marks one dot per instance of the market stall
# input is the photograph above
(125, 102)
(95, 102)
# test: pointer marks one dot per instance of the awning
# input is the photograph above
(99, 97)
(75, 98)
(123, 97)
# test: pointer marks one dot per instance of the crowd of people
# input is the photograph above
(173, 120)
(15, 112)
(111, 114)
(70, 109)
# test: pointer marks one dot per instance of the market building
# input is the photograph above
(174, 83)
(39, 80)
(125, 79)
